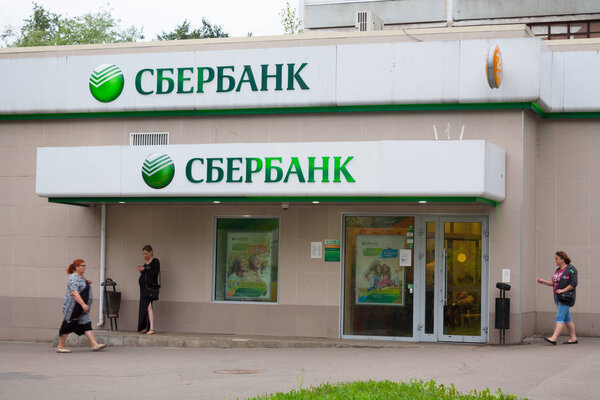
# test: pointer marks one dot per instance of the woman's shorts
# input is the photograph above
(74, 327)
(562, 314)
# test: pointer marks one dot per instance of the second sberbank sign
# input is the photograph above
(221, 79)
(269, 169)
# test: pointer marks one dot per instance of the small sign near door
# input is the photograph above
(405, 258)
(332, 250)
(316, 249)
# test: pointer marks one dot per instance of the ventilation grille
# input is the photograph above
(361, 21)
(148, 138)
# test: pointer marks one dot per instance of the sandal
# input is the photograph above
(552, 342)
(99, 347)
(150, 332)
(62, 350)
(143, 331)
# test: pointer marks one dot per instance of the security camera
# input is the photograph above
(285, 206)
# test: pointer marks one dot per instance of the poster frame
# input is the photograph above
(215, 220)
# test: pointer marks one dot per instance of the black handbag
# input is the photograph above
(566, 298)
(85, 295)
(151, 291)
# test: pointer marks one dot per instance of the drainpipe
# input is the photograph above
(102, 264)
(449, 13)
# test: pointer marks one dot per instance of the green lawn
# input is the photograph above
(413, 390)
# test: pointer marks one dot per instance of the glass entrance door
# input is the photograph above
(455, 266)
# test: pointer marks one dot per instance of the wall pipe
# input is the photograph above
(102, 264)
(449, 13)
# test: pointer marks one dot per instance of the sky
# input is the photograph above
(236, 17)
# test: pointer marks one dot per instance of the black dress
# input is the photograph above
(148, 277)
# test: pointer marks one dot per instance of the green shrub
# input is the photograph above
(413, 390)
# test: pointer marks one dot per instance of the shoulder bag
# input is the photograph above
(151, 291)
(77, 309)
(567, 298)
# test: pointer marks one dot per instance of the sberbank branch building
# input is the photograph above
(371, 185)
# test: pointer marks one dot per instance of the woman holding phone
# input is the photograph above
(148, 279)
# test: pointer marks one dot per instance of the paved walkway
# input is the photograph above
(534, 370)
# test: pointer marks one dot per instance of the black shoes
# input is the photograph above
(552, 342)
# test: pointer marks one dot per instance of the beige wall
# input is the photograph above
(38, 239)
(528, 226)
(568, 193)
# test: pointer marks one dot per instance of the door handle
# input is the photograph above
(445, 277)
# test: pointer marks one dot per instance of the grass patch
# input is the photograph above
(413, 390)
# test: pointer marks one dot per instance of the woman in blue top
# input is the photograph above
(563, 280)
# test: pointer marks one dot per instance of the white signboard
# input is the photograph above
(283, 77)
(473, 168)
(311, 76)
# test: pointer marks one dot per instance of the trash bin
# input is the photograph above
(502, 311)
(112, 302)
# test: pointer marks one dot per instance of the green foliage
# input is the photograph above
(45, 28)
(184, 31)
(371, 390)
(289, 20)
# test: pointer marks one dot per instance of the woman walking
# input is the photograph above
(564, 280)
(76, 307)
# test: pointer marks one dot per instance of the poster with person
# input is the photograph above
(248, 265)
(379, 273)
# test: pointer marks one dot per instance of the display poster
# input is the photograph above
(379, 275)
(248, 265)
(332, 250)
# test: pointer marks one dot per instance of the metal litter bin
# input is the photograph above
(112, 302)
(502, 311)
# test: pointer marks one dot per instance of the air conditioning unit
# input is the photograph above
(366, 21)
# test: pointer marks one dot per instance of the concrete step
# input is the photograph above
(174, 339)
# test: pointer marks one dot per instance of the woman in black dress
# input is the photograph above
(148, 279)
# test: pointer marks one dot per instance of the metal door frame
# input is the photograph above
(420, 268)
(419, 263)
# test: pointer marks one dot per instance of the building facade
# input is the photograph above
(556, 20)
(369, 185)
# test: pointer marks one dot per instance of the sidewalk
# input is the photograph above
(534, 370)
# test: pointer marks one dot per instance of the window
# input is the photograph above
(247, 259)
(566, 29)
(378, 275)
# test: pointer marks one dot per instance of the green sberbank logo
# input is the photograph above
(106, 82)
(158, 170)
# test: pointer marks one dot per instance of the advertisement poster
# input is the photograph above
(379, 274)
(248, 265)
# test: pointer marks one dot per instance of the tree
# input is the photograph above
(289, 20)
(45, 28)
(184, 31)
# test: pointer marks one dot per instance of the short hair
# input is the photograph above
(73, 265)
(564, 256)
(147, 248)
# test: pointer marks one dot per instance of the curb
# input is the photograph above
(134, 339)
